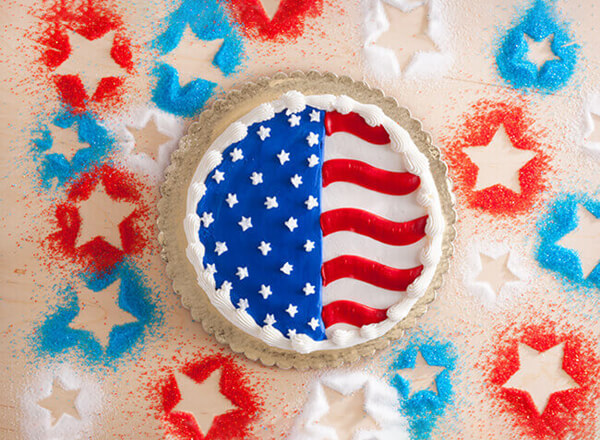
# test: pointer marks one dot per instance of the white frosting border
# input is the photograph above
(428, 197)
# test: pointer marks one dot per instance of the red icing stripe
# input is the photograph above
(350, 312)
(363, 174)
(359, 268)
(354, 123)
(374, 226)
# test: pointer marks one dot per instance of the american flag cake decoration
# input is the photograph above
(314, 223)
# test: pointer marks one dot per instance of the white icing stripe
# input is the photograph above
(355, 290)
(350, 243)
(344, 145)
(394, 208)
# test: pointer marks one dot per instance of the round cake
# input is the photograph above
(314, 222)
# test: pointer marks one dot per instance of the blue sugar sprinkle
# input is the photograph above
(561, 219)
(53, 165)
(539, 23)
(424, 407)
(208, 21)
(54, 337)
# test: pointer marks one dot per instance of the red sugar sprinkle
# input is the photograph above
(569, 413)
(92, 20)
(478, 129)
(287, 23)
(233, 385)
(98, 254)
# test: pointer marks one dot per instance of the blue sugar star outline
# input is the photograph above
(208, 22)
(53, 166)
(513, 65)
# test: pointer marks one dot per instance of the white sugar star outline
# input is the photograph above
(287, 268)
(242, 272)
(315, 116)
(218, 176)
(283, 157)
(294, 120)
(207, 219)
(308, 289)
(265, 291)
(313, 323)
(309, 245)
(256, 178)
(313, 160)
(271, 202)
(296, 180)
(311, 202)
(292, 310)
(245, 223)
(231, 199)
(264, 248)
(270, 319)
(263, 132)
(291, 223)
(236, 154)
(220, 247)
(312, 139)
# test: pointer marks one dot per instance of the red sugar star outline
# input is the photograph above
(233, 385)
(568, 412)
(287, 23)
(478, 129)
(91, 20)
(97, 254)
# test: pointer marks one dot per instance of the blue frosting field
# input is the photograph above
(268, 225)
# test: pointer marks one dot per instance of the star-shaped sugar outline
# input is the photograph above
(167, 124)
(383, 62)
(207, 23)
(54, 168)
(589, 126)
(56, 338)
(516, 263)
(88, 402)
(381, 404)
(559, 219)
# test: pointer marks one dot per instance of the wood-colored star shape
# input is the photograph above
(347, 413)
(422, 376)
(204, 401)
(582, 240)
(90, 60)
(541, 374)
(65, 141)
(407, 33)
(99, 312)
(101, 216)
(192, 58)
(539, 52)
(495, 271)
(148, 138)
(499, 162)
(60, 402)
(270, 7)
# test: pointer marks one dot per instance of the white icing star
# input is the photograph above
(271, 202)
(219, 176)
(211, 269)
(283, 157)
(308, 289)
(309, 245)
(245, 223)
(231, 199)
(265, 291)
(291, 223)
(220, 247)
(294, 120)
(313, 323)
(264, 248)
(225, 288)
(242, 272)
(312, 139)
(236, 155)
(270, 319)
(315, 116)
(263, 133)
(243, 304)
(313, 160)
(287, 268)
(207, 219)
(292, 310)
(311, 202)
(256, 178)
(291, 333)
(296, 180)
